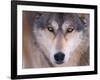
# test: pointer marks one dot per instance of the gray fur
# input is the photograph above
(44, 20)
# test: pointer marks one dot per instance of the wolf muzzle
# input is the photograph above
(59, 57)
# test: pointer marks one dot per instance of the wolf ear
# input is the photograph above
(85, 18)
(37, 15)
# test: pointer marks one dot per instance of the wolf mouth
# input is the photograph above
(59, 62)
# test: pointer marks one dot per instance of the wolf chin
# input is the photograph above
(59, 40)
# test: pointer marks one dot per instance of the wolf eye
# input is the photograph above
(50, 29)
(70, 29)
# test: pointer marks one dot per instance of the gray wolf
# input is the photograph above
(59, 40)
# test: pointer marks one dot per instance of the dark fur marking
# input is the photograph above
(43, 20)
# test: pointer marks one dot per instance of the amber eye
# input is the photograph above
(50, 29)
(70, 29)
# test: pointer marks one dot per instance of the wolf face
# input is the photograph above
(62, 37)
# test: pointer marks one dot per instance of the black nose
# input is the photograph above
(59, 57)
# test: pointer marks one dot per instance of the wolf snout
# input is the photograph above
(59, 57)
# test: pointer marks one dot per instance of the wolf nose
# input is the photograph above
(59, 57)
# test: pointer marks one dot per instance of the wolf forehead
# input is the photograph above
(46, 19)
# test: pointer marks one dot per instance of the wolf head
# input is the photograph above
(62, 37)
